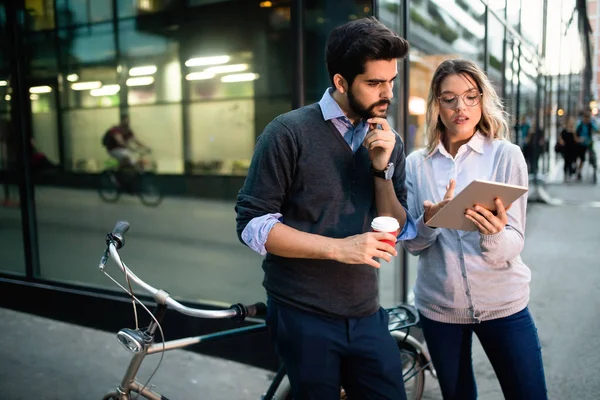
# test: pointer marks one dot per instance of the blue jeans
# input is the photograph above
(321, 353)
(511, 344)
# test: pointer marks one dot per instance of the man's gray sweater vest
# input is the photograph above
(303, 169)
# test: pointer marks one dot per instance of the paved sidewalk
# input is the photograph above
(49, 360)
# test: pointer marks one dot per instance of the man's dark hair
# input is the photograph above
(351, 45)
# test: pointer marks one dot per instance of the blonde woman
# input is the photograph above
(472, 281)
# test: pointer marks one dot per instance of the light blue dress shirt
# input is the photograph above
(256, 233)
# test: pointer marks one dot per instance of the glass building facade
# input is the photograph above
(199, 80)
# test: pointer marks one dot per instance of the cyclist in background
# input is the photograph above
(118, 140)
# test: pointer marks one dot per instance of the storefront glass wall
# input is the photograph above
(12, 258)
(199, 95)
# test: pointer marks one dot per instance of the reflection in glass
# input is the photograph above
(12, 256)
(510, 88)
(44, 123)
(89, 81)
(235, 86)
(495, 50)
(80, 12)
(439, 30)
(531, 28)
(320, 18)
(40, 55)
(197, 91)
(40, 15)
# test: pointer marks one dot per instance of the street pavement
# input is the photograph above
(51, 360)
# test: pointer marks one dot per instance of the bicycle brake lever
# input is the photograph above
(103, 260)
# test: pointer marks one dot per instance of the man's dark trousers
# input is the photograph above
(321, 353)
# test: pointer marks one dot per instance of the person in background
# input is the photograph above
(472, 282)
(583, 132)
(118, 142)
(568, 147)
(318, 176)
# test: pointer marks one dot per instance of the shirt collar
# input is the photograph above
(475, 143)
(329, 107)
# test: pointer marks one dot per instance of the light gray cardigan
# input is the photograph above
(466, 277)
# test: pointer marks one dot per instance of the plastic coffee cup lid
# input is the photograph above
(385, 224)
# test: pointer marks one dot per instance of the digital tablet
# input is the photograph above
(452, 215)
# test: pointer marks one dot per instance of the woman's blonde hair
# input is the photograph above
(493, 117)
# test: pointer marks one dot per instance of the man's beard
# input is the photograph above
(366, 112)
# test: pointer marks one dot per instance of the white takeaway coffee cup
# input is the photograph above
(386, 224)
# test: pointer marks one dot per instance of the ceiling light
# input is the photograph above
(227, 69)
(239, 77)
(86, 85)
(198, 76)
(140, 81)
(144, 70)
(203, 61)
(40, 89)
(106, 90)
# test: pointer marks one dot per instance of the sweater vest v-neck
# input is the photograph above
(327, 190)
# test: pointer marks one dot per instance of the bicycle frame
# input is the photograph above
(142, 344)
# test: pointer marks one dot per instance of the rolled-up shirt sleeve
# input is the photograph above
(256, 233)
(409, 230)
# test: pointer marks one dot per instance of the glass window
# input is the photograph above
(513, 12)
(439, 30)
(151, 66)
(4, 54)
(320, 18)
(12, 255)
(531, 28)
(81, 12)
(40, 14)
(40, 54)
(151, 77)
(236, 82)
(88, 81)
(510, 89)
(185, 245)
(528, 91)
(498, 6)
(496, 50)
(89, 72)
(130, 8)
(44, 124)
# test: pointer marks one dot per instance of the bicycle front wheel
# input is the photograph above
(413, 371)
(109, 187)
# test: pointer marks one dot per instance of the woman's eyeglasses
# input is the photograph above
(470, 99)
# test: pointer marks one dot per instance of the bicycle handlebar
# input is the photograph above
(238, 312)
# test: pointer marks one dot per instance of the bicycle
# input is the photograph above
(139, 180)
(141, 342)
